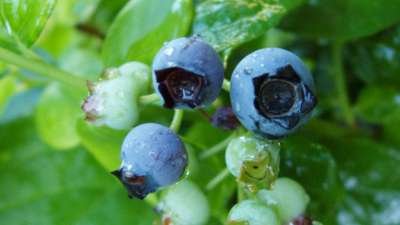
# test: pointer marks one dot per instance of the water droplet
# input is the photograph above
(170, 64)
(169, 51)
(237, 107)
(247, 71)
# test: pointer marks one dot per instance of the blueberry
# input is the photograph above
(113, 100)
(187, 73)
(225, 119)
(288, 197)
(184, 204)
(254, 161)
(152, 157)
(252, 212)
(272, 92)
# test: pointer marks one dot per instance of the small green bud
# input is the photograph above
(288, 197)
(254, 161)
(252, 212)
(184, 204)
(113, 99)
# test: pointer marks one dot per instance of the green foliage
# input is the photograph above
(52, 187)
(347, 167)
(7, 89)
(377, 52)
(141, 28)
(344, 19)
(102, 142)
(315, 168)
(24, 20)
(227, 24)
(57, 112)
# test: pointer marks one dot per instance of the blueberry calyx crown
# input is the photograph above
(278, 94)
(179, 86)
(137, 186)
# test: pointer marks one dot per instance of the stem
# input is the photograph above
(340, 80)
(177, 120)
(216, 148)
(149, 99)
(217, 179)
(42, 68)
(226, 85)
(241, 195)
(152, 200)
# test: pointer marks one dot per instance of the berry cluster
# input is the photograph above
(272, 94)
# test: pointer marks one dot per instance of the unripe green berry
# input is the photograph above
(184, 204)
(252, 212)
(113, 99)
(253, 161)
(288, 197)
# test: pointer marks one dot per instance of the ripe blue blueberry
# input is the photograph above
(153, 156)
(187, 73)
(272, 92)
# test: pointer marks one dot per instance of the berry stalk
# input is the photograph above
(340, 79)
(176, 120)
(42, 68)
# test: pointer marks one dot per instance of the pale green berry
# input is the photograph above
(253, 161)
(288, 197)
(252, 212)
(113, 100)
(184, 204)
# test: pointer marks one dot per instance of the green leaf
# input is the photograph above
(83, 61)
(313, 167)
(21, 105)
(227, 24)
(105, 13)
(368, 170)
(24, 20)
(343, 19)
(59, 188)
(199, 140)
(8, 87)
(102, 142)
(376, 59)
(57, 112)
(142, 27)
(378, 104)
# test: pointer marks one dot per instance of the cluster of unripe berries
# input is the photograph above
(272, 94)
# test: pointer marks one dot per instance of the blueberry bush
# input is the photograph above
(189, 112)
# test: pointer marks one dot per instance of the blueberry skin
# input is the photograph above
(153, 156)
(272, 92)
(188, 58)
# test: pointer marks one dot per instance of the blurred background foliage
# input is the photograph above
(55, 167)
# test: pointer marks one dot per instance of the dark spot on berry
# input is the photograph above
(167, 221)
(178, 85)
(302, 220)
(137, 186)
(225, 119)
